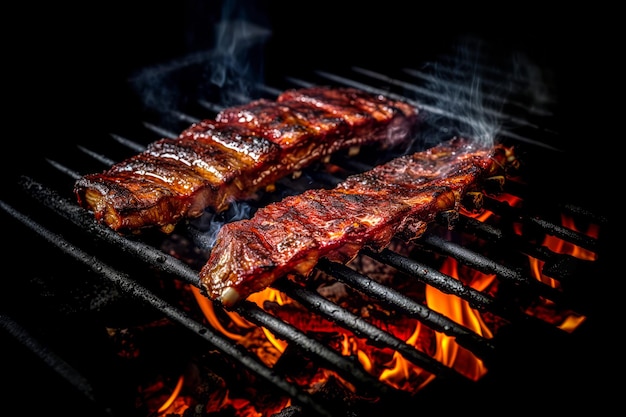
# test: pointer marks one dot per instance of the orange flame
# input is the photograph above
(572, 320)
(170, 400)
(206, 306)
(395, 370)
(484, 214)
(157, 394)
(268, 294)
(272, 295)
(459, 310)
(390, 366)
(401, 373)
(560, 246)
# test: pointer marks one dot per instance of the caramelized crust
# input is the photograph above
(364, 112)
(245, 148)
(399, 198)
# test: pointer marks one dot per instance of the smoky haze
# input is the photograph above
(228, 59)
(233, 62)
(465, 97)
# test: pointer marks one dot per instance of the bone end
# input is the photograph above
(229, 297)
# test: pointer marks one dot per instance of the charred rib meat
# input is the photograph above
(245, 148)
(399, 198)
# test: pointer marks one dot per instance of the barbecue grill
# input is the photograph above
(92, 320)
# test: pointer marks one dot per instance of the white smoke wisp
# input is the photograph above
(205, 228)
(228, 70)
(233, 64)
(237, 61)
(472, 97)
(158, 86)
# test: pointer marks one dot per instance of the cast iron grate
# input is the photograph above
(42, 202)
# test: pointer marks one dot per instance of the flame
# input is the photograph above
(560, 246)
(512, 200)
(570, 319)
(389, 365)
(484, 214)
(365, 360)
(271, 295)
(280, 345)
(206, 306)
(563, 247)
(401, 373)
(448, 351)
(170, 400)
(268, 294)
(171, 403)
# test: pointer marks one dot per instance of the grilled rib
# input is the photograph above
(243, 150)
(399, 198)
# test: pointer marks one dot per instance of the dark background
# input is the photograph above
(68, 65)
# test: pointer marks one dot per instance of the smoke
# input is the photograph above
(226, 63)
(224, 74)
(472, 99)
(237, 61)
(205, 228)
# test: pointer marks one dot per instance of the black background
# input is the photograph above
(67, 66)
(67, 63)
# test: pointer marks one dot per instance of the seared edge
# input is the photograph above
(399, 198)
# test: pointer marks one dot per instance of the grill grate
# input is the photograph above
(113, 257)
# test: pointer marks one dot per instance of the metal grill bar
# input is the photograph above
(139, 292)
(450, 285)
(515, 242)
(349, 369)
(362, 328)
(395, 300)
(486, 265)
(60, 366)
(84, 220)
(173, 266)
(577, 238)
(432, 277)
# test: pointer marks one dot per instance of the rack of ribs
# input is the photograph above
(398, 198)
(244, 150)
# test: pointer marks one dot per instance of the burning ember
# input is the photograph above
(395, 315)
(180, 393)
